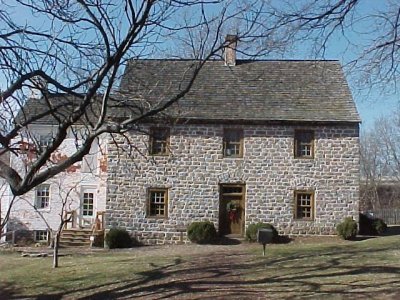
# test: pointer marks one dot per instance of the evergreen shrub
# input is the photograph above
(118, 238)
(347, 229)
(202, 232)
(252, 229)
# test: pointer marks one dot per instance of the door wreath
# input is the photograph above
(233, 211)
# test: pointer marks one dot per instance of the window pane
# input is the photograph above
(233, 142)
(159, 140)
(304, 205)
(87, 204)
(42, 196)
(40, 235)
(158, 203)
(304, 141)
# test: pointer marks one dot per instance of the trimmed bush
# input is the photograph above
(347, 229)
(371, 226)
(379, 226)
(202, 232)
(252, 229)
(118, 238)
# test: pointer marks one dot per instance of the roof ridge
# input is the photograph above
(243, 60)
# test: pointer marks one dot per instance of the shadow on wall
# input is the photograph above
(22, 235)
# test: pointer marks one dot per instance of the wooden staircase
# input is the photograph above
(75, 238)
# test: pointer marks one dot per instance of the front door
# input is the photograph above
(87, 211)
(231, 209)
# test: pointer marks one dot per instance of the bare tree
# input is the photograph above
(380, 162)
(70, 55)
(368, 30)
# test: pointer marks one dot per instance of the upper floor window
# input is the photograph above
(159, 141)
(42, 196)
(45, 141)
(304, 205)
(158, 202)
(304, 143)
(233, 142)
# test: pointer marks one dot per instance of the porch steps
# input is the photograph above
(75, 238)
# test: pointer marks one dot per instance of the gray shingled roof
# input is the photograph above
(251, 90)
(62, 106)
(314, 91)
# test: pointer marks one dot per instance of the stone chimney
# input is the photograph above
(230, 50)
(39, 87)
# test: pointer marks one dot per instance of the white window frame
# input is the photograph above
(40, 235)
(88, 190)
(39, 198)
(45, 140)
(90, 206)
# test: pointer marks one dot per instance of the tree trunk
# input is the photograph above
(55, 249)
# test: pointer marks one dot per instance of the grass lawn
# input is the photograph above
(331, 269)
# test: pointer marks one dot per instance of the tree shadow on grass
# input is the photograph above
(238, 275)
(7, 290)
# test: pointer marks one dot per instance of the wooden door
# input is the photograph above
(231, 209)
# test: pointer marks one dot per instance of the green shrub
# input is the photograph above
(118, 238)
(371, 226)
(252, 229)
(202, 232)
(379, 226)
(347, 229)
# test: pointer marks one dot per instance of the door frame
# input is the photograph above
(223, 227)
(87, 221)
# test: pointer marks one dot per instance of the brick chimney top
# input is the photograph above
(230, 49)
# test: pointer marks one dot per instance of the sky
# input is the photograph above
(371, 103)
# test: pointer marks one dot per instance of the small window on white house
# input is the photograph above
(42, 196)
(90, 161)
(41, 236)
(45, 141)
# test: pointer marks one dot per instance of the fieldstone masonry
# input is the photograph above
(195, 168)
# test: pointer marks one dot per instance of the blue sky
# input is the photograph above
(379, 100)
(371, 104)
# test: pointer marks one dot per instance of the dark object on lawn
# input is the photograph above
(347, 229)
(265, 236)
(252, 229)
(371, 226)
(202, 232)
(118, 238)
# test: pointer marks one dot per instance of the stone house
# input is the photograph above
(273, 141)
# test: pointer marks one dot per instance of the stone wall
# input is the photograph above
(195, 168)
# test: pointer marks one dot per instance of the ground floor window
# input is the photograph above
(40, 235)
(304, 205)
(87, 204)
(158, 202)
